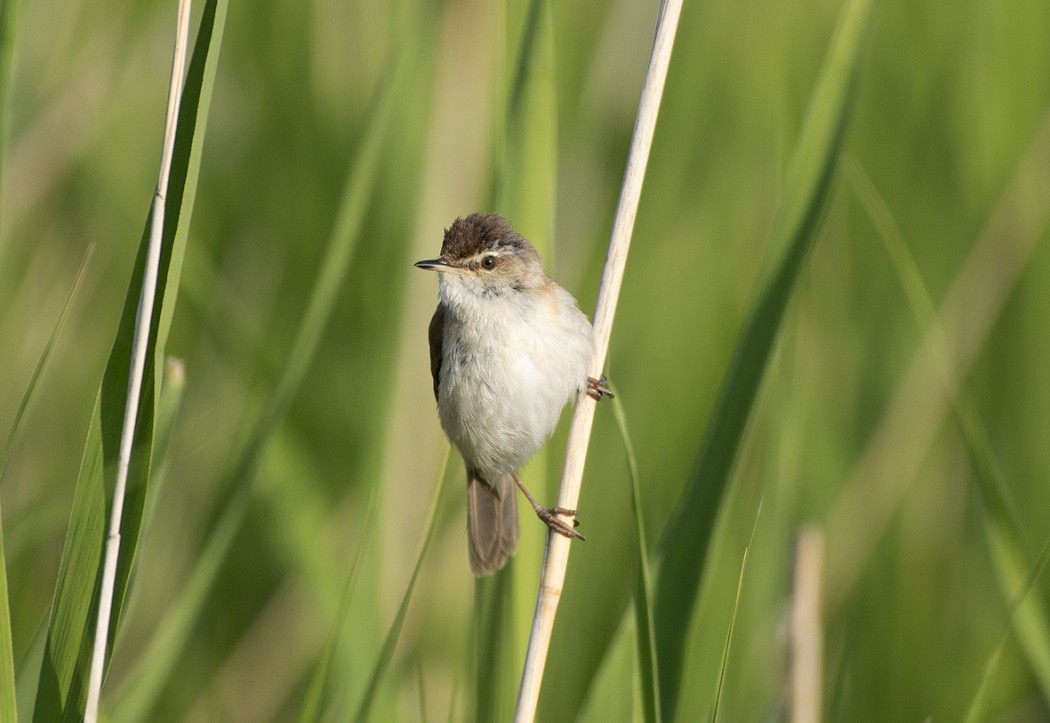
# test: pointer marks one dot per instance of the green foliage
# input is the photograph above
(1001, 524)
(386, 653)
(8, 21)
(795, 228)
(8, 702)
(342, 138)
(61, 691)
(648, 677)
(7, 672)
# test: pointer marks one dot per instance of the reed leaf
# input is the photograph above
(808, 185)
(61, 692)
(1003, 530)
(7, 670)
(386, 653)
(645, 650)
(173, 632)
(313, 705)
(8, 701)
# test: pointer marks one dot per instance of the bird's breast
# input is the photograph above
(506, 373)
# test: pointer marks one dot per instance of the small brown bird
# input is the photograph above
(508, 349)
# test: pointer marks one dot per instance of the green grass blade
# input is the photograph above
(8, 21)
(1002, 529)
(147, 680)
(528, 170)
(729, 640)
(172, 391)
(312, 706)
(645, 645)
(807, 187)
(136, 697)
(421, 685)
(493, 636)
(976, 711)
(27, 675)
(60, 695)
(45, 357)
(979, 703)
(991, 483)
(8, 703)
(7, 669)
(732, 618)
(342, 245)
(386, 653)
(1030, 618)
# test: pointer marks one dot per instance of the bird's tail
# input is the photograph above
(492, 522)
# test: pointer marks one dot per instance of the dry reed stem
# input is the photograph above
(556, 557)
(807, 628)
(143, 321)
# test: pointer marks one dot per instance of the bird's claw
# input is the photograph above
(549, 515)
(596, 388)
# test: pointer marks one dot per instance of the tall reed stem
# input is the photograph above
(140, 345)
(557, 553)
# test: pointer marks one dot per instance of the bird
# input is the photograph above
(509, 348)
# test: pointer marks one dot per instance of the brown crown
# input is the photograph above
(477, 232)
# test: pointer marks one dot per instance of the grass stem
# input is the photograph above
(143, 322)
(556, 556)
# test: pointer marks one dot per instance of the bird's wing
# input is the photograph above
(436, 336)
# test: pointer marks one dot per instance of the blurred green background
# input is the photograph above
(949, 142)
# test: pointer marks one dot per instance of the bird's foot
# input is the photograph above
(596, 388)
(549, 515)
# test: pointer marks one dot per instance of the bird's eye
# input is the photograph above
(488, 262)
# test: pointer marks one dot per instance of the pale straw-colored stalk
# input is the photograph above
(557, 553)
(807, 628)
(143, 321)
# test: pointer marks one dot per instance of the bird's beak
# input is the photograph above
(433, 265)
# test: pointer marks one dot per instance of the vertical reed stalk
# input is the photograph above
(557, 553)
(143, 321)
(807, 628)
